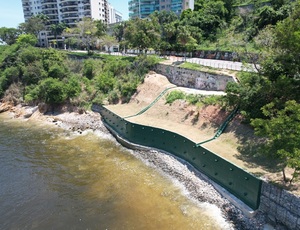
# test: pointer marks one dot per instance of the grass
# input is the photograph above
(207, 69)
(194, 99)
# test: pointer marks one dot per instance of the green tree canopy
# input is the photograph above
(283, 132)
(143, 34)
(9, 35)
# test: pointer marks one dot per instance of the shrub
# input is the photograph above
(57, 71)
(33, 73)
(27, 39)
(113, 96)
(212, 100)
(89, 69)
(72, 88)
(29, 55)
(105, 82)
(193, 98)
(49, 90)
(174, 95)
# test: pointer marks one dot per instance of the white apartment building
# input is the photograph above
(69, 12)
(114, 15)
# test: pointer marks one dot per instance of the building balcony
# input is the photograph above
(49, 7)
(70, 16)
(69, 10)
(70, 21)
(50, 12)
(85, 2)
(88, 14)
(48, 1)
(67, 4)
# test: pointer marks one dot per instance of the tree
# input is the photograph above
(143, 34)
(27, 39)
(283, 132)
(57, 29)
(119, 34)
(34, 25)
(49, 90)
(185, 39)
(86, 31)
(168, 23)
(108, 41)
(9, 35)
(101, 28)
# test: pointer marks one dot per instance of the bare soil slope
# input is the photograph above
(237, 144)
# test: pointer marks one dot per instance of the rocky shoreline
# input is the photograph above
(197, 186)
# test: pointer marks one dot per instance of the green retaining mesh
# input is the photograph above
(152, 103)
(243, 185)
(222, 127)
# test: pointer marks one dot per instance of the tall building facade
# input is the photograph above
(143, 8)
(114, 15)
(68, 12)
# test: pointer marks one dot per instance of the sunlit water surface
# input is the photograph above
(54, 179)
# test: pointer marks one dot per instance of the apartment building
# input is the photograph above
(114, 15)
(69, 12)
(143, 8)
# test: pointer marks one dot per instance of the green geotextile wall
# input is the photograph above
(243, 185)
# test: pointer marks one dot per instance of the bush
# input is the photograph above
(117, 67)
(57, 71)
(212, 100)
(89, 69)
(11, 74)
(49, 90)
(174, 95)
(27, 40)
(105, 82)
(193, 98)
(113, 96)
(72, 88)
(33, 73)
(29, 55)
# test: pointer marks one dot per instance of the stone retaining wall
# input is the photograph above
(282, 207)
(194, 79)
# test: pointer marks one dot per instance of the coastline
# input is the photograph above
(198, 187)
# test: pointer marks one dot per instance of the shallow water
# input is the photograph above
(55, 179)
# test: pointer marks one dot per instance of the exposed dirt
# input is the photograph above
(237, 144)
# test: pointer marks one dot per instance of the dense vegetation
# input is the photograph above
(33, 75)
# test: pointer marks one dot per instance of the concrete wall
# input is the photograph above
(282, 207)
(194, 79)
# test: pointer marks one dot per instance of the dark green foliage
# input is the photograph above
(57, 71)
(283, 130)
(89, 69)
(72, 88)
(51, 57)
(105, 82)
(49, 90)
(33, 73)
(250, 94)
(144, 63)
(117, 67)
(28, 55)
